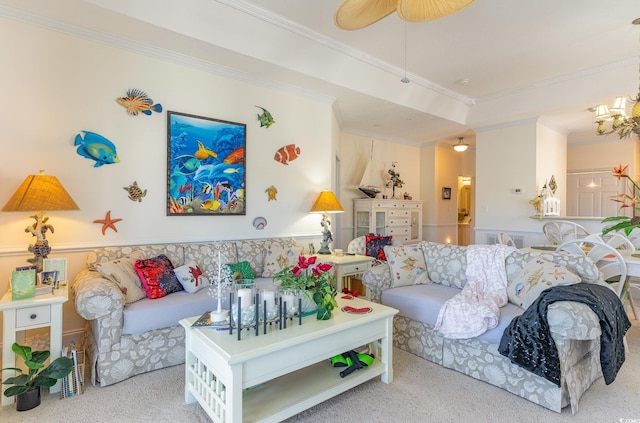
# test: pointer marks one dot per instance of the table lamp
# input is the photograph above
(326, 203)
(39, 193)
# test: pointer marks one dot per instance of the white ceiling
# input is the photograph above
(544, 59)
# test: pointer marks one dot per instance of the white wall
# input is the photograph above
(551, 160)
(55, 85)
(355, 152)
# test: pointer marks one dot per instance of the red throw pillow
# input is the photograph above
(157, 276)
(375, 245)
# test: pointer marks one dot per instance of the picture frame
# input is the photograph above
(446, 193)
(48, 277)
(59, 265)
(206, 166)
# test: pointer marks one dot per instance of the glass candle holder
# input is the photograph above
(244, 294)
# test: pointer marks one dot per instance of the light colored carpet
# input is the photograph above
(420, 392)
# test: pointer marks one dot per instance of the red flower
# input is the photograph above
(324, 267)
(297, 270)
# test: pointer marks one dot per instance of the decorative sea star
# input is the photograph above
(108, 222)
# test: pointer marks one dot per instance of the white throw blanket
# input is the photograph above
(476, 308)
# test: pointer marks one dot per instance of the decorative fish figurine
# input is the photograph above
(96, 147)
(287, 154)
(203, 152)
(236, 156)
(271, 193)
(265, 118)
(135, 193)
(138, 101)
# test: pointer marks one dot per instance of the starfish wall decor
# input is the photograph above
(108, 222)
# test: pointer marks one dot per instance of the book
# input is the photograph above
(43, 289)
(205, 321)
(23, 284)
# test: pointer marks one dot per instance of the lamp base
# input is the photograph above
(324, 251)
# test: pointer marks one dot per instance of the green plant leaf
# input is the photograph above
(15, 390)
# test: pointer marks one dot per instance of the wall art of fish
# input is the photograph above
(96, 147)
(271, 193)
(287, 154)
(236, 156)
(135, 193)
(202, 153)
(265, 118)
(137, 101)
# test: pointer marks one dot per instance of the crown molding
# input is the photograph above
(316, 37)
(155, 52)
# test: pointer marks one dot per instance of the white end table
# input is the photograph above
(346, 266)
(37, 312)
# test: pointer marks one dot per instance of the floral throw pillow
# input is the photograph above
(239, 271)
(375, 245)
(407, 265)
(190, 277)
(277, 258)
(157, 276)
(538, 275)
(122, 272)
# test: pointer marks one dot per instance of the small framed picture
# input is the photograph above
(48, 277)
(446, 193)
(59, 265)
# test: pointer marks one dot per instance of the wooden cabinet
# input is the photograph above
(400, 218)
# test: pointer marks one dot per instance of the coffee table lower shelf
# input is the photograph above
(287, 395)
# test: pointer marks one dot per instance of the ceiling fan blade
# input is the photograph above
(357, 14)
(429, 10)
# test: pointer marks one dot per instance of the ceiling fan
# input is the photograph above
(357, 14)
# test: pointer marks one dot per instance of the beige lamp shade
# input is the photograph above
(40, 192)
(326, 203)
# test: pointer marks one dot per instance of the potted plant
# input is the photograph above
(315, 279)
(26, 386)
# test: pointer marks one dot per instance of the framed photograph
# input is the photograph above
(48, 277)
(446, 193)
(59, 265)
(206, 166)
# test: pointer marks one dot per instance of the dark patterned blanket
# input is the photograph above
(527, 340)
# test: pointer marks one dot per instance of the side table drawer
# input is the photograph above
(351, 269)
(30, 316)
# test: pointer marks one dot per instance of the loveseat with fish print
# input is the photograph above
(132, 329)
(418, 280)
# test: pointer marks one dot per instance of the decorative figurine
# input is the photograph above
(395, 181)
(41, 248)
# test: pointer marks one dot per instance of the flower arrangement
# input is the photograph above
(315, 279)
(626, 223)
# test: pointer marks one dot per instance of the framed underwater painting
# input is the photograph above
(205, 166)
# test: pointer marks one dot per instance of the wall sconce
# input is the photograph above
(39, 193)
(326, 203)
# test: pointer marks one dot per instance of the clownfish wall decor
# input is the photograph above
(287, 154)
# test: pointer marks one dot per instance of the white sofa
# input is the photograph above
(575, 328)
(123, 340)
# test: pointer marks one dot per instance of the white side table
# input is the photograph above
(40, 311)
(346, 266)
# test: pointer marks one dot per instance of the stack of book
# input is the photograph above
(73, 384)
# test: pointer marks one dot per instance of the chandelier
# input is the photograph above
(621, 124)
(357, 14)
(460, 146)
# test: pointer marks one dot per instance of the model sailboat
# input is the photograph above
(369, 189)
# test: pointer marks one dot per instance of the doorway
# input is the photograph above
(465, 210)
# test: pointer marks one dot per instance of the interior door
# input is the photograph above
(591, 193)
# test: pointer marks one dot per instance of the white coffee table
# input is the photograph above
(268, 378)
